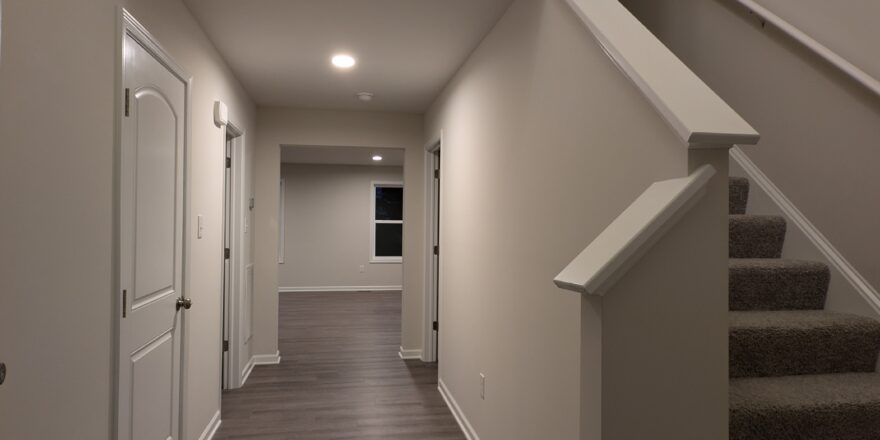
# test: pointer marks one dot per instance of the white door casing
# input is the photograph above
(151, 177)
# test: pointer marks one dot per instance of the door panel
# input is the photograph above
(156, 172)
(151, 217)
(151, 375)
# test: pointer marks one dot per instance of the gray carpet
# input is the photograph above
(797, 371)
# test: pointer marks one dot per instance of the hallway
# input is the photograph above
(340, 377)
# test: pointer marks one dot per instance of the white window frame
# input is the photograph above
(373, 258)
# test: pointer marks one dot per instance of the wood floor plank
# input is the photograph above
(340, 377)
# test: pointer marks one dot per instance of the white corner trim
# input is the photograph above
(463, 422)
(409, 354)
(267, 359)
(834, 257)
(339, 289)
(247, 371)
(212, 427)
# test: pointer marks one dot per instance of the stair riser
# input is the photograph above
(762, 352)
(842, 422)
(738, 189)
(756, 237)
(756, 288)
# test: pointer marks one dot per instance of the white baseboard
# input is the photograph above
(819, 241)
(463, 422)
(340, 289)
(267, 359)
(247, 371)
(212, 427)
(409, 354)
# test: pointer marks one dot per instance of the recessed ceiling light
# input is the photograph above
(377, 158)
(343, 61)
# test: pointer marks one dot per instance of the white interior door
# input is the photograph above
(151, 247)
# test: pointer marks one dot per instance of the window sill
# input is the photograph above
(386, 260)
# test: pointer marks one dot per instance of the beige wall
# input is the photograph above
(57, 96)
(327, 227)
(545, 143)
(848, 28)
(819, 128)
(278, 126)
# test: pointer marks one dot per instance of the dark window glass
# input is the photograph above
(389, 240)
(389, 203)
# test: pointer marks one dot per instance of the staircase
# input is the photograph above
(796, 370)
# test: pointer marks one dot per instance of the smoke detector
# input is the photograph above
(365, 96)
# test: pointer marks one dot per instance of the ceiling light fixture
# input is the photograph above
(377, 158)
(365, 96)
(343, 61)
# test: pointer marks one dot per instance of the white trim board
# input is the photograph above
(315, 289)
(409, 354)
(832, 256)
(463, 422)
(212, 427)
(267, 359)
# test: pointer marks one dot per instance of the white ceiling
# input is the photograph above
(341, 155)
(407, 50)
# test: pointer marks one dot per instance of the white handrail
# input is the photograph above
(827, 54)
(698, 115)
(633, 233)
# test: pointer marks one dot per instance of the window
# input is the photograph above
(386, 222)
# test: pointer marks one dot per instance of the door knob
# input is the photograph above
(186, 303)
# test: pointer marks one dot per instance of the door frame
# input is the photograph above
(432, 271)
(128, 25)
(233, 281)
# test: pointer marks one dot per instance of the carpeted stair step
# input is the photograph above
(824, 407)
(775, 284)
(801, 342)
(738, 188)
(756, 236)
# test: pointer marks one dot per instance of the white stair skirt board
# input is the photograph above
(212, 427)
(463, 422)
(832, 256)
(409, 354)
(340, 289)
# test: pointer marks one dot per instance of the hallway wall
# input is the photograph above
(819, 128)
(57, 107)
(545, 143)
(281, 126)
(327, 227)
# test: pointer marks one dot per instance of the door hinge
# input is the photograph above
(437, 250)
(228, 162)
(437, 174)
(127, 102)
(225, 346)
(124, 303)
(436, 326)
(226, 253)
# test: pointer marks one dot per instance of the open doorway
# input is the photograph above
(238, 263)
(432, 273)
(341, 220)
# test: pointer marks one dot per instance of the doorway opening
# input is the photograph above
(432, 278)
(238, 261)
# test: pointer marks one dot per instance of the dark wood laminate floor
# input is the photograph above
(340, 377)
